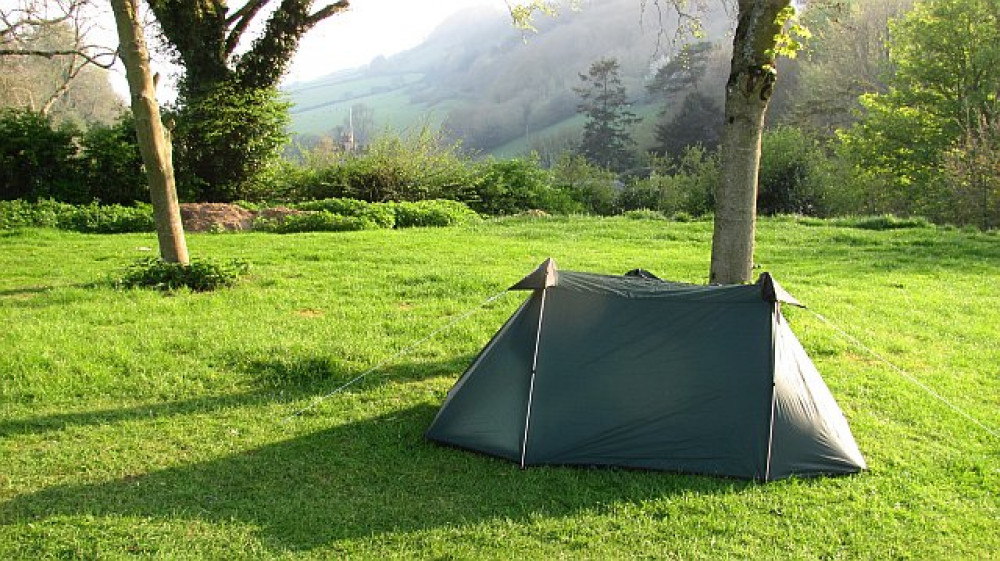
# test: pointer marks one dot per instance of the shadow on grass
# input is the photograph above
(369, 478)
(29, 291)
(285, 379)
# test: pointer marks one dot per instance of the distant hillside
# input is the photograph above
(488, 84)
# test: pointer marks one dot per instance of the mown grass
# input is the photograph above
(134, 423)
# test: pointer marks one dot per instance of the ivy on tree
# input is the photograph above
(231, 121)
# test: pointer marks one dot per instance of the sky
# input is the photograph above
(368, 29)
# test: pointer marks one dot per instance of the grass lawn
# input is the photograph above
(141, 424)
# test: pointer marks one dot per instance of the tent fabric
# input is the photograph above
(637, 372)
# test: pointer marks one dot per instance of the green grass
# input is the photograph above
(134, 423)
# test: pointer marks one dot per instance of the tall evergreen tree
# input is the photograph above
(607, 137)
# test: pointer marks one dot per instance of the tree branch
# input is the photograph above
(327, 11)
(240, 20)
(264, 64)
(50, 54)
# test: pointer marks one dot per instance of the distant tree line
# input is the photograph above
(888, 111)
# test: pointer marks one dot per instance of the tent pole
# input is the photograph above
(531, 387)
(775, 318)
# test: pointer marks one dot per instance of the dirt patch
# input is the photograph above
(207, 217)
(309, 313)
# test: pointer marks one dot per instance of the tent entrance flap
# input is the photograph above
(633, 371)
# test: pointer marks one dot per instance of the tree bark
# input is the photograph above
(748, 91)
(153, 143)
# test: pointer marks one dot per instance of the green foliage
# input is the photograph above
(644, 214)
(90, 218)
(791, 167)
(112, 164)
(380, 215)
(200, 275)
(108, 219)
(225, 141)
(946, 56)
(19, 213)
(683, 185)
(36, 158)
(315, 221)
(591, 187)
(394, 167)
(431, 213)
(342, 215)
(517, 185)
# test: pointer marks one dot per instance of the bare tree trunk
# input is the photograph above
(751, 81)
(153, 143)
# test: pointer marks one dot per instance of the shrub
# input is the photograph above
(200, 275)
(37, 159)
(513, 186)
(640, 194)
(315, 221)
(590, 186)
(644, 214)
(790, 170)
(23, 214)
(112, 165)
(109, 219)
(91, 218)
(686, 185)
(394, 167)
(382, 215)
(432, 213)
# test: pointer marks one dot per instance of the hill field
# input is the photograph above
(141, 424)
(491, 85)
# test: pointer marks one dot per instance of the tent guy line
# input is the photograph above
(906, 375)
(399, 354)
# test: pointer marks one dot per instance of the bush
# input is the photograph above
(432, 213)
(92, 218)
(23, 214)
(37, 159)
(394, 167)
(200, 275)
(790, 178)
(513, 186)
(684, 186)
(590, 186)
(315, 221)
(110, 219)
(640, 194)
(112, 165)
(644, 214)
(382, 215)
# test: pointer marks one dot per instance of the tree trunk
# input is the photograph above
(153, 144)
(751, 81)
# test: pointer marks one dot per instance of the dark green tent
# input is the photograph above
(637, 372)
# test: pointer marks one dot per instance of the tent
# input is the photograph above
(637, 372)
